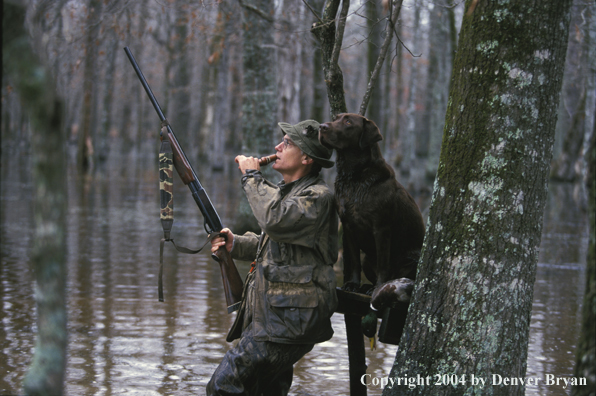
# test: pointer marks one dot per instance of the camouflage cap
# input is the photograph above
(306, 136)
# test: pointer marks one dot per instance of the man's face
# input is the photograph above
(289, 158)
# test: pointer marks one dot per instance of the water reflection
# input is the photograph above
(122, 340)
(559, 289)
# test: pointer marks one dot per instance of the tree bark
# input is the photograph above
(36, 88)
(471, 308)
(331, 38)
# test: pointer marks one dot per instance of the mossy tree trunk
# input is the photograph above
(471, 308)
(36, 89)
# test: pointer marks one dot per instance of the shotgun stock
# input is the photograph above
(232, 282)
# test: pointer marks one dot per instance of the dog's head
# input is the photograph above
(349, 131)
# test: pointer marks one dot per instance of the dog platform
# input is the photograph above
(392, 320)
(354, 306)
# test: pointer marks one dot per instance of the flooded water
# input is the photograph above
(123, 341)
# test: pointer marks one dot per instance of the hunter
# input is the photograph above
(289, 294)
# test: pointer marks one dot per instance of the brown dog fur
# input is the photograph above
(379, 217)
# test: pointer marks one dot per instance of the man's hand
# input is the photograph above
(245, 163)
(219, 241)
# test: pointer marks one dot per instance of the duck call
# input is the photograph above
(267, 160)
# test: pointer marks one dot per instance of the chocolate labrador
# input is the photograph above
(379, 217)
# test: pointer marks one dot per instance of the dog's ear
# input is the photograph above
(370, 133)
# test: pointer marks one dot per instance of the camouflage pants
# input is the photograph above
(256, 368)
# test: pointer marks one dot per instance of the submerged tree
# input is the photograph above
(259, 102)
(330, 35)
(36, 89)
(471, 308)
(586, 349)
(259, 95)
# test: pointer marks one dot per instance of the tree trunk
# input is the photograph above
(216, 83)
(259, 106)
(259, 100)
(289, 58)
(391, 137)
(103, 145)
(36, 88)
(179, 75)
(318, 92)
(585, 365)
(564, 168)
(409, 135)
(577, 98)
(331, 38)
(470, 311)
(375, 105)
(439, 73)
(86, 134)
(137, 112)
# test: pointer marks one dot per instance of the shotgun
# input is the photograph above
(232, 282)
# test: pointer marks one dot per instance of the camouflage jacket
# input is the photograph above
(290, 295)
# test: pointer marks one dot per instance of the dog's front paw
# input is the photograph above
(391, 292)
(351, 287)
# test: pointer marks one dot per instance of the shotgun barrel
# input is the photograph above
(233, 284)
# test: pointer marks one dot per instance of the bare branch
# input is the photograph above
(392, 19)
(407, 49)
(257, 10)
(339, 34)
(313, 11)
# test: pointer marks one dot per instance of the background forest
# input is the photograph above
(193, 52)
(225, 72)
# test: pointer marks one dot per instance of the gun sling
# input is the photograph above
(166, 212)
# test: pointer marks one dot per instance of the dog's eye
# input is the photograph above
(348, 122)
